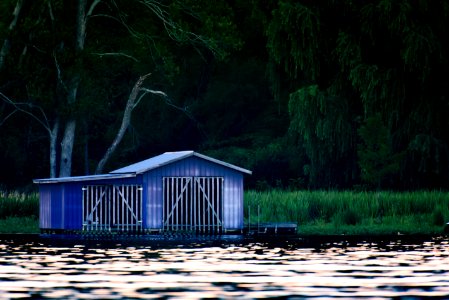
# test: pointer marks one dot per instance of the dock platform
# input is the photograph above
(271, 228)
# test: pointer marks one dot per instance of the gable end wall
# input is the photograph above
(194, 167)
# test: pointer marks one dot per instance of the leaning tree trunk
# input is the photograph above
(126, 120)
(133, 101)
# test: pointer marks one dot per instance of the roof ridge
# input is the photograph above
(170, 157)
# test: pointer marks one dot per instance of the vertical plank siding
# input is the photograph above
(194, 167)
(113, 207)
(193, 204)
(61, 203)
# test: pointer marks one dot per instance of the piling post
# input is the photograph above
(249, 218)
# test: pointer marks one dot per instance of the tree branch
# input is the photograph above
(115, 54)
(172, 28)
(170, 102)
(7, 117)
(18, 107)
(58, 71)
(92, 7)
(50, 12)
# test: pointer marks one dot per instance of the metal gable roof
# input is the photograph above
(170, 157)
(142, 167)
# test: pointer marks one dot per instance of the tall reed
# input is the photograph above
(339, 211)
(15, 204)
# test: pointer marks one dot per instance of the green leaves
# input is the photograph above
(323, 122)
(347, 65)
(358, 88)
(377, 160)
(293, 39)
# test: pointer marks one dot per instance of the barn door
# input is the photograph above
(127, 207)
(178, 204)
(193, 204)
(112, 207)
(208, 193)
(96, 207)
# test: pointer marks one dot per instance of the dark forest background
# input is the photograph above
(306, 94)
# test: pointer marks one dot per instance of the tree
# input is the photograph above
(372, 57)
(72, 83)
(6, 43)
(377, 161)
(329, 143)
(75, 45)
(137, 94)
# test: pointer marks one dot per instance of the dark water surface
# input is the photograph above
(231, 267)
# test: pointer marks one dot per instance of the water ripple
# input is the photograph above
(242, 268)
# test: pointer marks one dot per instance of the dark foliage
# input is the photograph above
(307, 94)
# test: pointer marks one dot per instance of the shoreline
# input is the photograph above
(30, 225)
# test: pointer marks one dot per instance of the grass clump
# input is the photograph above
(19, 225)
(19, 212)
(352, 212)
(15, 204)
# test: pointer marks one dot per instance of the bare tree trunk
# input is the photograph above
(53, 149)
(67, 149)
(65, 166)
(86, 148)
(69, 133)
(130, 104)
(41, 118)
(6, 44)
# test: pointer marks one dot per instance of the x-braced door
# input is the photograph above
(193, 204)
(178, 203)
(112, 207)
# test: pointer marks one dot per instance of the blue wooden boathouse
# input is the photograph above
(174, 191)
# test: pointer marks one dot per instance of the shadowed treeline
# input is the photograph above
(307, 94)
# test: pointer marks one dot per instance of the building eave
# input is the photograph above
(83, 178)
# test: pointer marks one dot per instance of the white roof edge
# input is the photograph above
(181, 155)
(83, 178)
(222, 163)
(177, 155)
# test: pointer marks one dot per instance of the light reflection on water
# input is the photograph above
(77, 268)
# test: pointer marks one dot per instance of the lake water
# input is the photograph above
(231, 267)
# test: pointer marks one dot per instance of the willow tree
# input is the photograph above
(373, 57)
(321, 115)
(398, 68)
